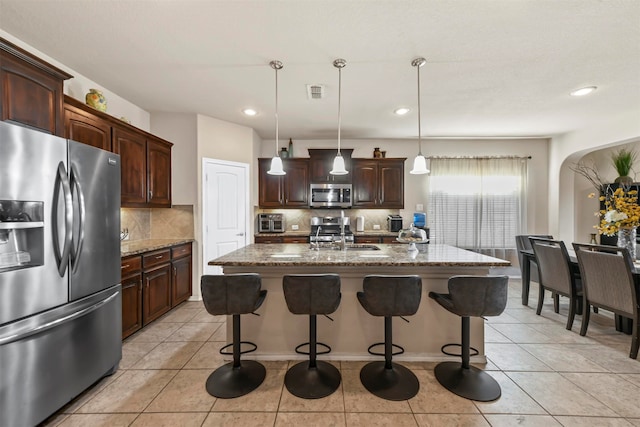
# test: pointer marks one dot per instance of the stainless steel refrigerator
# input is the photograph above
(60, 293)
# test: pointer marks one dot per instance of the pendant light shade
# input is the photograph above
(420, 162)
(338, 162)
(276, 161)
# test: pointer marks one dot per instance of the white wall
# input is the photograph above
(78, 86)
(416, 185)
(569, 148)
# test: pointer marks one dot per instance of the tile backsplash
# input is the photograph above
(302, 217)
(174, 223)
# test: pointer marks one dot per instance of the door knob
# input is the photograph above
(240, 234)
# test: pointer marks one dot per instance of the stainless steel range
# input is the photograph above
(328, 229)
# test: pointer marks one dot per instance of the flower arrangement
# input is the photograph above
(621, 210)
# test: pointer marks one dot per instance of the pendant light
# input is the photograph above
(276, 161)
(338, 162)
(420, 162)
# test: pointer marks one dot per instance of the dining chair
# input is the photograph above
(557, 274)
(523, 243)
(608, 282)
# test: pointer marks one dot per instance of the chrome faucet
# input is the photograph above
(342, 242)
(316, 245)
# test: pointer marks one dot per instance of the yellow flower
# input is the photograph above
(621, 210)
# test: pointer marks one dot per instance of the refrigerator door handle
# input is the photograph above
(46, 326)
(76, 252)
(62, 180)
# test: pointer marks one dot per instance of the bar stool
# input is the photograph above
(312, 294)
(390, 296)
(477, 296)
(234, 294)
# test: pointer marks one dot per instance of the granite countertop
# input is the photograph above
(368, 233)
(397, 255)
(136, 247)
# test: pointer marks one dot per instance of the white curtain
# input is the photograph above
(477, 203)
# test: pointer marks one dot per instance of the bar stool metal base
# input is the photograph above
(228, 382)
(312, 382)
(471, 383)
(396, 383)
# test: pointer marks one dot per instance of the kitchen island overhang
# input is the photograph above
(277, 332)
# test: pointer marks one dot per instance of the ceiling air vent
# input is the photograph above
(315, 91)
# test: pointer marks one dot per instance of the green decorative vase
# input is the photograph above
(96, 99)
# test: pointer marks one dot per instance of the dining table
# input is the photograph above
(623, 324)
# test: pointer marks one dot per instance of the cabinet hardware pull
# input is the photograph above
(159, 257)
(125, 266)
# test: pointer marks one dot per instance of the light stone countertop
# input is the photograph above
(397, 255)
(135, 247)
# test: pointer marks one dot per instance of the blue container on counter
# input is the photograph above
(420, 219)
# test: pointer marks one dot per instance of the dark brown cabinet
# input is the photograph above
(131, 295)
(156, 280)
(295, 239)
(181, 282)
(321, 163)
(285, 191)
(145, 158)
(268, 239)
(85, 128)
(32, 90)
(378, 183)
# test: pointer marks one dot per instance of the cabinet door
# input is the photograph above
(181, 285)
(296, 239)
(81, 127)
(133, 160)
(296, 183)
(159, 164)
(321, 163)
(270, 187)
(391, 184)
(156, 292)
(365, 183)
(131, 304)
(32, 90)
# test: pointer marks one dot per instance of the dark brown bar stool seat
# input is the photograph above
(312, 294)
(233, 295)
(389, 296)
(468, 296)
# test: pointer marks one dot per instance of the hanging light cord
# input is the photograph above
(276, 65)
(419, 62)
(339, 106)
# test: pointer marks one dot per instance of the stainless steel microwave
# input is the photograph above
(330, 196)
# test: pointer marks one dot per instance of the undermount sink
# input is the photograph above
(359, 247)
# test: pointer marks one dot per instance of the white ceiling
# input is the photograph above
(494, 68)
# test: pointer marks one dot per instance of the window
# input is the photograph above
(477, 203)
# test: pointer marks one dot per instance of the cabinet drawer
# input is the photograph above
(366, 239)
(181, 250)
(154, 258)
(131, 264)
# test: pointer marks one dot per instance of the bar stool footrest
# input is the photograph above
(474, 352)
(230, 353)
(328, 349)
(400, 351)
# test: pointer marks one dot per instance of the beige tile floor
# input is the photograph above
(549, 377)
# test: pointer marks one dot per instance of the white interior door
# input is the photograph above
(225, 216)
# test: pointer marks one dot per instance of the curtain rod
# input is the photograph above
(478, 157)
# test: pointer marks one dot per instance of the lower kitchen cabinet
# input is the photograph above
(153, 283)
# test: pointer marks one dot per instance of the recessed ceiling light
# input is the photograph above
(249, 112)
(583, 91)
(401, 111)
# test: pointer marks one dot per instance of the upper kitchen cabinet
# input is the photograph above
(86, 128)
(31, 89)
(378, 183)
(321, 163)
(145, 158)
(286, 191)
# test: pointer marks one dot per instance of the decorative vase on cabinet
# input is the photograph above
(96, 99)
(627, 239)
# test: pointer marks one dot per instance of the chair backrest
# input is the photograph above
(607, 277)
(392, 295)
(230, 294)
(311, 293)
(522, 242)
(553, 261)
(478, 295)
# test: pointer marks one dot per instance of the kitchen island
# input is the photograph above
(277, 332)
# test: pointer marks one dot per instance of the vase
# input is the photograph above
(627, 240)
(96, 99)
